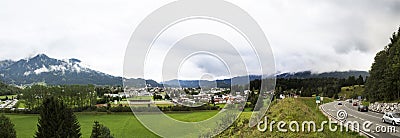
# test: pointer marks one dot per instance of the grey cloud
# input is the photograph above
(346, 46)
(304, 34)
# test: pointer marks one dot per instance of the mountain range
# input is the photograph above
(43, 69)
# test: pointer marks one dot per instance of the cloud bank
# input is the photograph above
(304, 34)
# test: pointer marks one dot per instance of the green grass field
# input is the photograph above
(141, 98)
(122, 125)
(193, 116)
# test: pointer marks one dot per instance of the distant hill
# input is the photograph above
(43, 69)
(244, 79)
(218, 83)
(336, 74)
(141, 83)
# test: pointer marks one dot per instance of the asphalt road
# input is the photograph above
(353, 115)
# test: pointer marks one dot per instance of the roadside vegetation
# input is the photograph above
(288, 109)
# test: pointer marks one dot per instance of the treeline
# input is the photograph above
(384, 81)
(74, 96)
(308, 87)
(101, 90)
(8, 89)
(328, 87)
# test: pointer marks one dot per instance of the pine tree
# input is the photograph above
(7, 128)
(100, 131)
(360, 80)
(95, 130)
(57, 121)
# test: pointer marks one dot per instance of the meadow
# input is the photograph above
(122, 125)
(352, 91)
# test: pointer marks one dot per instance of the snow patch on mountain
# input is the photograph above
(41, 70)
(27, 73)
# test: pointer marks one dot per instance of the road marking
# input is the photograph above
(371, 135)
(376, 123)
(363, 113)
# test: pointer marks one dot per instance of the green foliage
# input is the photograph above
(74, 96)
(57, 120)
(7, 128)
(8, 89)
(360, 80)
(100, 131)
(327, 87)
(336, 96)
(384, 81)
(101, 90)
(157, 97)
(167, 97)
(313, 86)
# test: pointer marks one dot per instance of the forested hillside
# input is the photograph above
(8, 89)
(384, 81)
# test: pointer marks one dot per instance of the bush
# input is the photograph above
(185, 108)
(120, 109)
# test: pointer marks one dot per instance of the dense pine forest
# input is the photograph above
(384, 81)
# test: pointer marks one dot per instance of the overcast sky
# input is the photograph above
(321, 36)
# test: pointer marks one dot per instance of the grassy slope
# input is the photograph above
(352, 91)
(300, 109)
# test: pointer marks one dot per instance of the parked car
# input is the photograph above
(390, 117)
(363, 108)
(340, 103)
(355, 104)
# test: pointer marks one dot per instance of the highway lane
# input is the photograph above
(353, 115)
